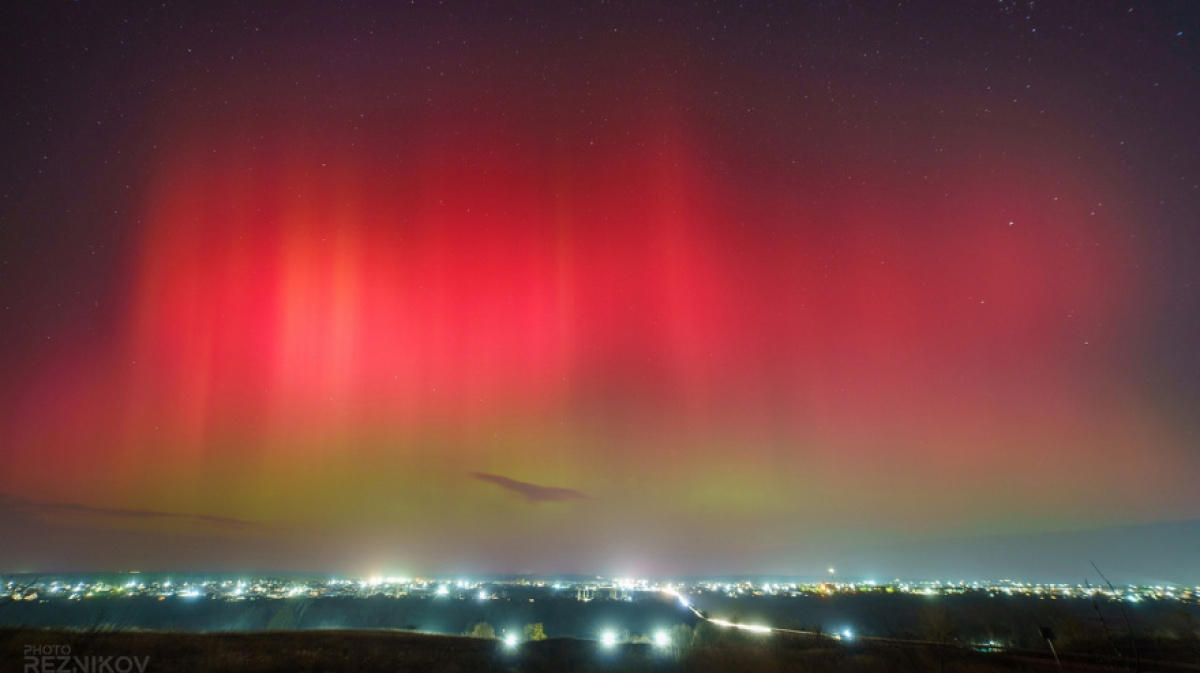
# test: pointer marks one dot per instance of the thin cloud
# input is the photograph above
(37, 509)
(531, 492)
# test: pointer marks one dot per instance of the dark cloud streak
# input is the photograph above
(36, 509)
(531, 492)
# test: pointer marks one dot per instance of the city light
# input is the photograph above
(510, 641)
(598, 588)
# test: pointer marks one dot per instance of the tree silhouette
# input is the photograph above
(482, 630)
(535, 631)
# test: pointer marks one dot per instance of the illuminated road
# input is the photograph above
(745, 627)
(1077, 662)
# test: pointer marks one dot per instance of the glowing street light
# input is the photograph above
(510, 641)
(608, 638)
(661, 639)
(847, 634)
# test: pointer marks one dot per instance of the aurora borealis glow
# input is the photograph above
(748, 289)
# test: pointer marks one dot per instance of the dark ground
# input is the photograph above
(367, 651)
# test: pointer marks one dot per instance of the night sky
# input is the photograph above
(594, 287)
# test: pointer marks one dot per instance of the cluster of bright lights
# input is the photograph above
(618, 589)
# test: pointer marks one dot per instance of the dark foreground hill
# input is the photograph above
(368, 651)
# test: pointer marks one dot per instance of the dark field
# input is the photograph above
(891, 633)
(1009, 621)
(710, 649)
(367, 651)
